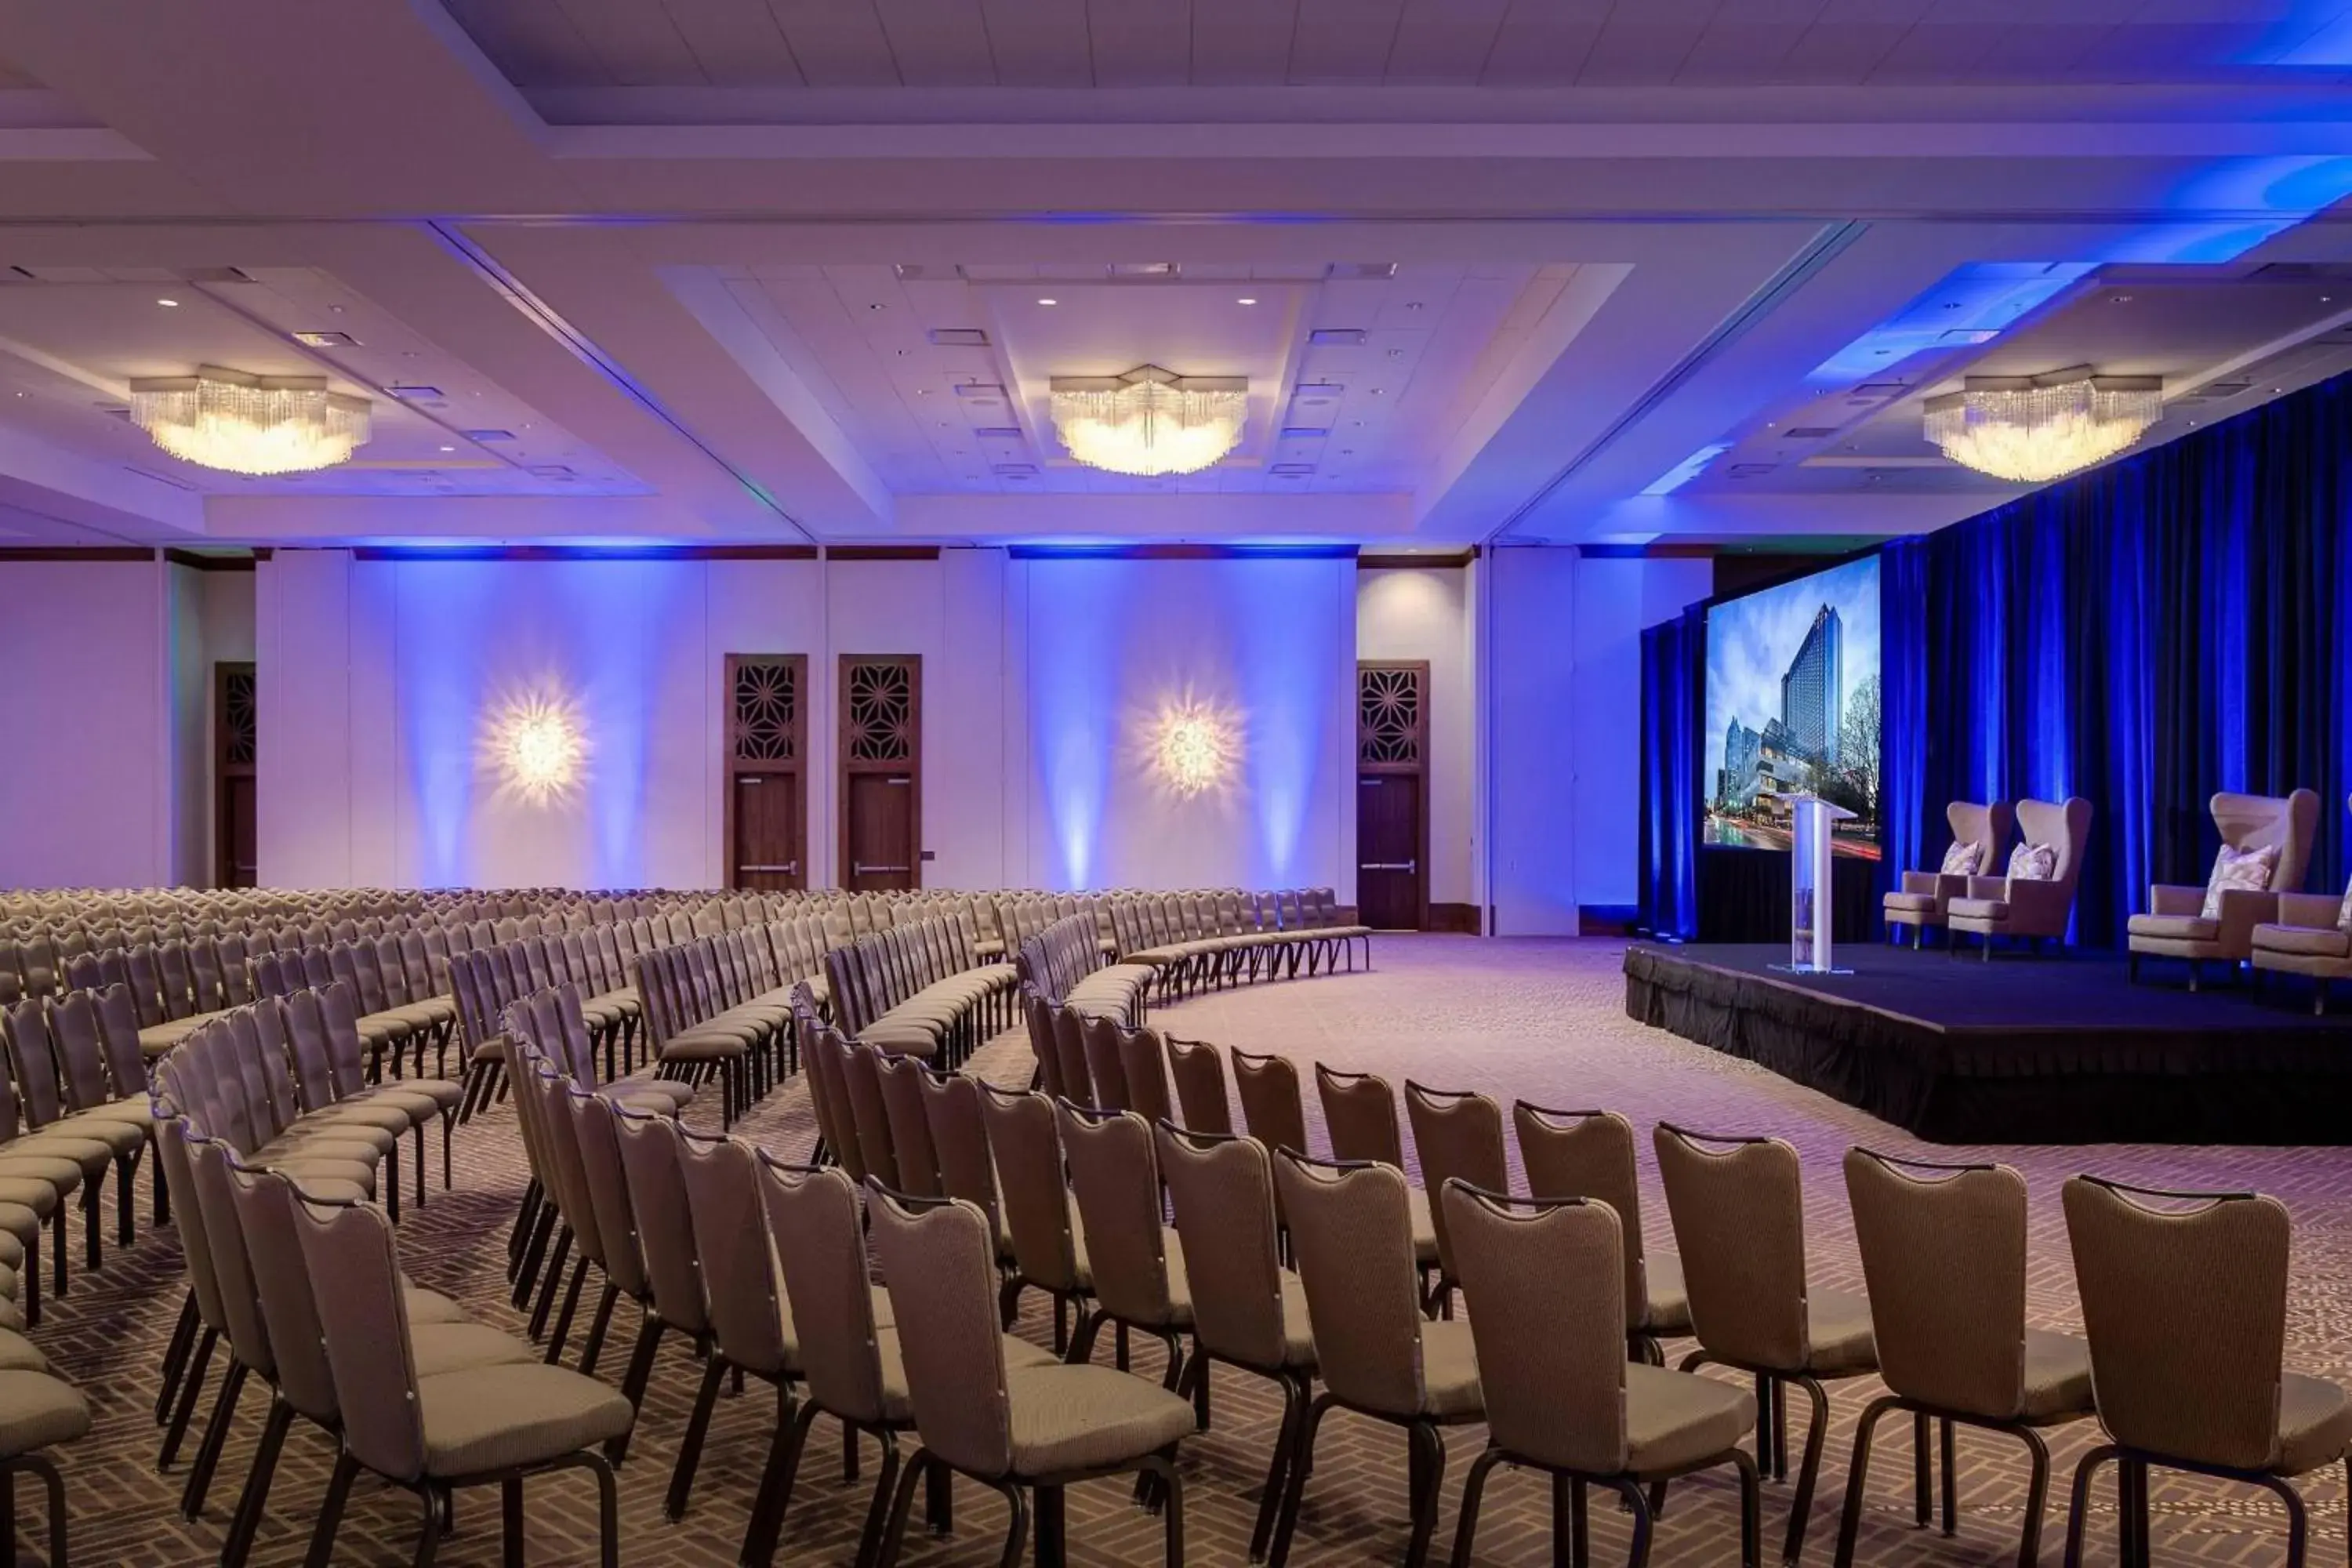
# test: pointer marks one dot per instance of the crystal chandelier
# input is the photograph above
(2031, 429)
(246, 424)
(1150, 421)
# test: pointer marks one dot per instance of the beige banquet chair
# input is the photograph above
(1943, 1253)
(1739, 1211)
(2266, 846)
(2032, 897)
(2184, 1303)
(1980, 839)
(1545, 1281)
(1589, 1154)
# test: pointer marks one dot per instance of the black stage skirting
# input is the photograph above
(2057, 1050)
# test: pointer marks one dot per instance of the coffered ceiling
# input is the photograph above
(777, 269)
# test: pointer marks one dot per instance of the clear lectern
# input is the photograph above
(1809, 883)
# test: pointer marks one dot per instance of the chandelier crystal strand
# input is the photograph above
(1149, 423)
(2033, 430)
(244, 424)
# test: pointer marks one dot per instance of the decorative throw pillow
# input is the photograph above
(2033, 862)
(2344, 913)
(1963, 858)
(2251, 870)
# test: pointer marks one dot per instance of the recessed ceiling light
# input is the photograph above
(1245, 299)
(449, 448)
(169, 304)
(1049, 301)
(877, 305)
(325, 340)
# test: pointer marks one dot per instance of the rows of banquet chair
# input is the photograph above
(1122, 1185)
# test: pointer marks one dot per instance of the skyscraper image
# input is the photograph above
(1812, 692)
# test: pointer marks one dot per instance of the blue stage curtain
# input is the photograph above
(2161, 628)
(1903, 810)
(1674, 658)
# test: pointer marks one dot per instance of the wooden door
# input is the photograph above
(765, 856)
(236, 746)
(767, 804)
(1392, 794)
(882, 853)
(1389, 871)
(881, 771)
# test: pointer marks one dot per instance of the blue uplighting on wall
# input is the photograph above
(440, 696)
(1286, 701)
(1075, 663)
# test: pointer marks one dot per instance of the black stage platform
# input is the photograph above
(2020, 1050)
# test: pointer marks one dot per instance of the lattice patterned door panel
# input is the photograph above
(1392, 794)
(236, 751)
(767, 745)
(881, 771)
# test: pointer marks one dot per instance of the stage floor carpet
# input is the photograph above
(2019, 1050)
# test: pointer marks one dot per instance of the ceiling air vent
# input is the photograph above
(325, 340)
(416, 394)
(999, 433)
(958, 337)
(1291, 470)
(214, 275)
(2225, 388)
(1015, 470)
(1810, 432)
(1144, 270)
(1303, 432)
(1363, 269)
(979, 391)
(1750, 470)
(552, 472)
(488, 434)
(1337, 337)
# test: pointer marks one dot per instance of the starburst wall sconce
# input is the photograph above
(1194, 748)
(538, 749)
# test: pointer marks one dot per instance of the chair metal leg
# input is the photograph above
(1951, 1482)
(633, 1385)
(510, 1527)
(1858, 1475)
(191, 1385)
(547, 1286)
(593, 1349)
(428, 1538)
(894, 1529)
(1751, 1511)
(2037, 1494)
(1474, 1494)
(1301, 1465)
(1638, 1555)
(555, 1340)
(2078, 1505)
(690, 1450)
(1430, 1446)
(331, 1514)
(208, 1452)
(1923, 1471)
(254, 1503)
(1816, 1431)
(1277, 1473)
(175, 1354)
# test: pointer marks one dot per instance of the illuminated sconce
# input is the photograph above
(1195, 747)
(538, 749)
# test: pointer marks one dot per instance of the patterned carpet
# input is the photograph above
(1514, 1019)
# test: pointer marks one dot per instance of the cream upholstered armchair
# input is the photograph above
(2311, 935)
(2036, 897)
(2265, 845)
(1980, 838)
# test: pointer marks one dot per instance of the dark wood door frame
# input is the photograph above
(236, 737)
(767, 734)
(1393, 738)
(880, 731)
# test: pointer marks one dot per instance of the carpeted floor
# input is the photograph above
(1538, 1020)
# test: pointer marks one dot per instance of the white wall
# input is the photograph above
(211, 621)
(88, 801)
(1615, 598)
(392, 668)
(1427, 614)
(1534, 743)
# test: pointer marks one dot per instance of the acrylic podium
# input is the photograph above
(1810, 915)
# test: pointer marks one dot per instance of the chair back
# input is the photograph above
(1985, 826)
(1116, 1181)
(1943, 1253)
(814, 1225)
(743, 1279)
(364, 1322)
(2065, 827)
(861, 1077)
(1223, 1192)
(1022, 1136)
(1271, 1108)
(940, 1264)
(1737, 1208)
(1144, 1061)
(2186, 1312)
(1359, 1116)
(960, 1138)
(2261, 821)
(1352, 1230)
(900, 1080)
(1458, 1136)
(595, 1133)
(1545, 1285)
(665, 1221)
(209, 1161)
(1589, 1154)
(829, 1096)
(265, 1203)
(1099, 1038)
(1197, 1072)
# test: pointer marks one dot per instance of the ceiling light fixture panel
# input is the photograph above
(1150, 421)
(2033, 429)
(245, 423)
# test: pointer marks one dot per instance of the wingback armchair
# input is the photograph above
(1980, 838)
(2035, 898)
(2265, 845)
(2312, 935)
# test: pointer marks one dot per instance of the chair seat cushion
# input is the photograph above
(444, 1348)
(2317, 942)
(1992, 911)
(2176, 928)
(36, 1410)
(2057, 1376)
(120, 1134)
(1838, 1327)
(1669, 1297)
(1449, 1371)
(429, 1306)
(1068, 1418)
(2314, 1424)
(1912, 903)
(18, 1353)
(1675, 1419)
(498, 1417)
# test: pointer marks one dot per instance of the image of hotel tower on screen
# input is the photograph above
(1761, 765)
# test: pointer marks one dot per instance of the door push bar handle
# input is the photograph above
(784, 870)
(859, 868)
(1390, 866)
